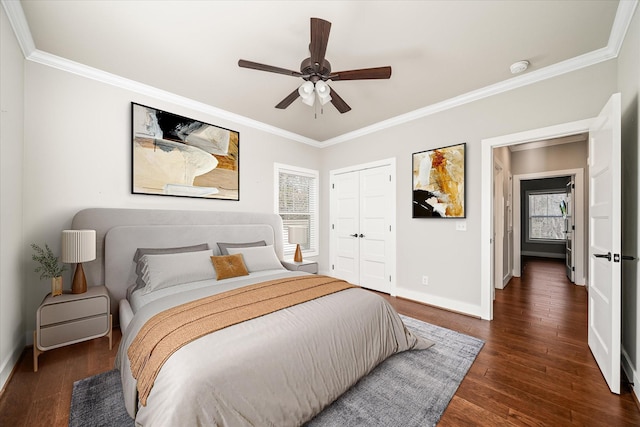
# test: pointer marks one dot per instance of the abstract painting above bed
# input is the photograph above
(177, 156)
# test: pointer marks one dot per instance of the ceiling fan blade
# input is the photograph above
(319, 40)
(362, 74)
(269, 68)
(338, 102)
(288, 100)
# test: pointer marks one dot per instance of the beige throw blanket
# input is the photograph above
(172, 329)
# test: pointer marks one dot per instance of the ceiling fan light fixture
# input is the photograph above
(324, 92)
(306, 91)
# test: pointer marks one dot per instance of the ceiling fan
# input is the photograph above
(316, 70)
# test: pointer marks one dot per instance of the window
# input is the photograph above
(296, 196)
(546, 220)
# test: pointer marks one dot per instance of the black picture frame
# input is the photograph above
(438, 182)
(173, 155)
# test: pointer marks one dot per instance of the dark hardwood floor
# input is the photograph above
(535, 368)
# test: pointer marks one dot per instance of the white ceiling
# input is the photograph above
(440, 51)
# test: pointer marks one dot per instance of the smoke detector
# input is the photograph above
(518, 67)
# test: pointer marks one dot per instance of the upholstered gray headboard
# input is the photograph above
(242, 227)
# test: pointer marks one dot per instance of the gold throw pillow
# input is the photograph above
(228, 266)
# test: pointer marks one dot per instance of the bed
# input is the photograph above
(233, 347)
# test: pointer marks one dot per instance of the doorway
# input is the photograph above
(486, 230)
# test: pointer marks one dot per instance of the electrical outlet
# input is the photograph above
(425, 280)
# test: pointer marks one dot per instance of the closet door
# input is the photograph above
(362, 212)
(375, 223)
(346, 226)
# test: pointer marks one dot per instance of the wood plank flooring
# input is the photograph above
(534, 370)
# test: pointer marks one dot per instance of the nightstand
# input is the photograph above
(71, 318)
(308, 266)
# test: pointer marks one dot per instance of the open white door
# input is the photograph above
(569, 231)
(605, 241)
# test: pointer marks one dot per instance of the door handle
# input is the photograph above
(628, 258)
(354, 235)
(607, 256)
(361, 235)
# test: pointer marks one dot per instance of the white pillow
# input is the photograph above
(162, 271)
(258, 258)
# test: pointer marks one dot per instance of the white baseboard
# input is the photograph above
(447, 304)
(9, 363)
(506, 279)
(631, 373)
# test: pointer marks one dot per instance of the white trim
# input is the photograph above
(486, 199)
(632, 375)
(505, 279)
(391, 163)
(440, 302)
(621, 23)
(153, 92)
(9, 363)
(21, 29)
(281, 167)
(499, 233)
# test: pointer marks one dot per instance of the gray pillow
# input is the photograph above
(165, 270)
(223, 246)
(159, 251)
(258, 258)
(140, 252)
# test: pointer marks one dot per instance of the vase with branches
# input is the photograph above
(49, 267)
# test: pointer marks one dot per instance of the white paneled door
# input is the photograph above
(605, 241)
(362, 208)
(345, 206)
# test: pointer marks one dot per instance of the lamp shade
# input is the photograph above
(78, 246)
(297, 234)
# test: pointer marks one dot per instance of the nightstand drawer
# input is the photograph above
(67, 333)
(71, 310)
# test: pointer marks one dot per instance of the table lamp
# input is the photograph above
(297, 235)
(78, 246)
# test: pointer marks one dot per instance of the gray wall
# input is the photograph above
(12, 284)
(77, 154)
(570, 97)
(629, 86)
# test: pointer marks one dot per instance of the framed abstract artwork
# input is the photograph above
(438, 182)
(173, 155)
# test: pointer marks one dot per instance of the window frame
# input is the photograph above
(527, 217)
(314, 233)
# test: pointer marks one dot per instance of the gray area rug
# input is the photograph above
(412, 388)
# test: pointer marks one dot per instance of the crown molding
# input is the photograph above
(18, 22)
(624, 15)
(73, 67)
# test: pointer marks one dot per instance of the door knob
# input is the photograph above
(354, 235)
(361, 235)
(607, 256)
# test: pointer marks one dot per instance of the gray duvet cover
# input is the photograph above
(277, 370)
